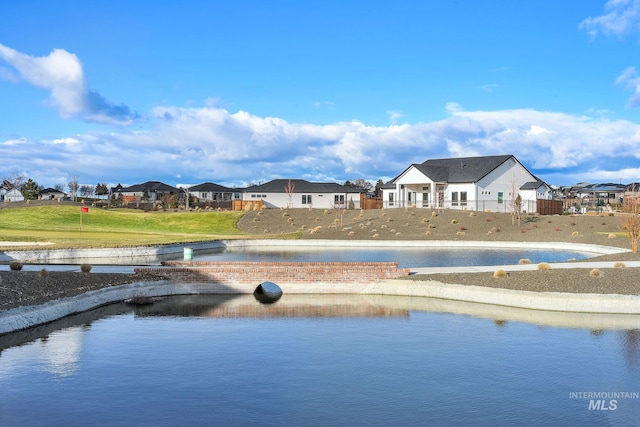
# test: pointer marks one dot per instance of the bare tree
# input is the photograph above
(630, 218)
(516, 204)
(86, 190)
(338, 207)
(74, 186)
(290, 190)
(363, 185)
(16, 179)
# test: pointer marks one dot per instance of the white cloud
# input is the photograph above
(394, 116)
(489, 87)
(622, 18)
(61, 73)
(453, 107)
(212, 144)
(323, 104)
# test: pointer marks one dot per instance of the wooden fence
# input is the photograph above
(549, 207)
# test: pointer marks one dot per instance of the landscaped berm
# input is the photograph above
(431, 224)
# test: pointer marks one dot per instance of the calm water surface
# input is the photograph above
(407, 257)
(319, 361)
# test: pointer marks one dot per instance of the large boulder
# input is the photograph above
(267, 292)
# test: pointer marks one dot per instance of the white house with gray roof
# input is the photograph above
(211, 192)
(471, 183)
(303, 194)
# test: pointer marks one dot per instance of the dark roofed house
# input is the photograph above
(299, 193)
(150, 191)
(472, 183)
(210, 192)
(52, 194)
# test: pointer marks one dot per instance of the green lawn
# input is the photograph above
(67, 226)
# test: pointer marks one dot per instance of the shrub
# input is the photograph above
(500, 274)
(619, 265)
(85, 268)
(611, 236)
(15, 265)
(376, 235)
(463, 228)
(557, 229)
(575, 234)
(44, 273)
(495, 230)
(595, 273)
(428, 233)
(454, 221)
(543, 266)
(433, 214)
(524, 261)
(460, 233)
(488, 219)
(424, 220)
(472, 214)
(432, 226)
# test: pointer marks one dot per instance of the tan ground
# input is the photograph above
(427, 224)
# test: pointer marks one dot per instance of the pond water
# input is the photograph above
(406, 257)
(321, 360)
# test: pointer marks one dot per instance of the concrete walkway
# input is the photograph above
(517, 267)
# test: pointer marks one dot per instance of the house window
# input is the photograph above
(390, 199)
(306, 199)
(454, 198)
(500, 196)
(338, 199)
(463, 198)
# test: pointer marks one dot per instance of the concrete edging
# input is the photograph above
(27, 317)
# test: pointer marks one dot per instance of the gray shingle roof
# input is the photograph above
(533, 185)
(150, 187)
(211, 187)
(301, 186)
(461, 169)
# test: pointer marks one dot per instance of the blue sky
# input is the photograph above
(248, 91)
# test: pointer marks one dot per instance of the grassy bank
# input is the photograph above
(67, 226)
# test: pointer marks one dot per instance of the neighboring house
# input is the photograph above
(534, 190)
(52, 194)
(210, 192)
(149, 191)
(303, 194)
(13, 195)
(472, 183)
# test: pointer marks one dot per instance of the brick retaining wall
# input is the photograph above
(277, 272)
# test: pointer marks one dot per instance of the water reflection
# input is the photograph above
(630, 341)
(321, 360)
(57, 353)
